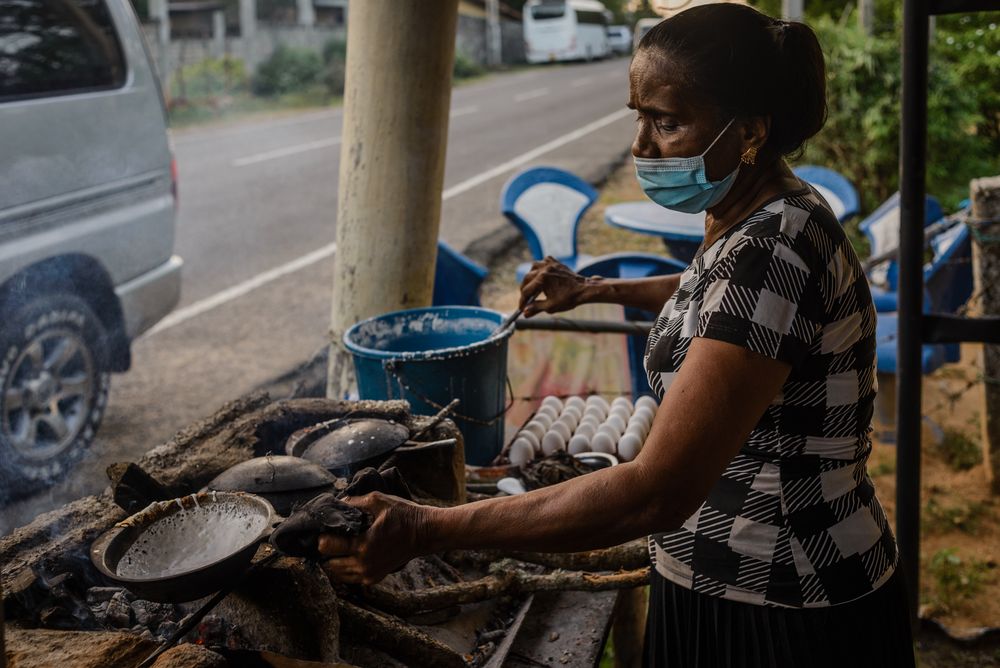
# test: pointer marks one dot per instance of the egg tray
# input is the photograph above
(579, 425)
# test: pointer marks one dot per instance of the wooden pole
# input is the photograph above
(395, 132)
(792, 10)
(985, 195)
(866, 15)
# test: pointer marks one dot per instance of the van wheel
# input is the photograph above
(53, 390)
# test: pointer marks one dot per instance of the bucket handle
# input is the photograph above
(391, 367)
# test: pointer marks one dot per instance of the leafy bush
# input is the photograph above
(960, 451)
(210, 79)
(861, 137)
(466, 67)
(288, 70)
(335, 65)
(964, 517)
(955, 579)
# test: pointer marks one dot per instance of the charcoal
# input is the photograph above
(150, 614)
(119, 612)
(96, 595)
(167, 629)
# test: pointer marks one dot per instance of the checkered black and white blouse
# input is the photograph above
(794, 520)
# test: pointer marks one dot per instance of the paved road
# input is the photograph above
(256, 227)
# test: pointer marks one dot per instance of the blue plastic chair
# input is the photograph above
(834, 187)
(456, 278)
(633, 265)
(882, 229)
(948, 285)
(546, 204)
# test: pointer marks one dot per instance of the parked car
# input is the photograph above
(620, 39)
(87, 215)
(642, 26)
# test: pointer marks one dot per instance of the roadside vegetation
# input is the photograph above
(290, 78)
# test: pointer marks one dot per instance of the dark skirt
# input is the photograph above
(689, 630)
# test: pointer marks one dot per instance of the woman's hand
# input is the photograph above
(563, 288)
(390, 542)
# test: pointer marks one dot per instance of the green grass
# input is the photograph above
(955, 578)
(964, 517)
(246, 105)
(959, 451)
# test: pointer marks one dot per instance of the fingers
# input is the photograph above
(337, 546)
(345, 569)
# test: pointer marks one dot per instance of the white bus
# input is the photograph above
(558, 30)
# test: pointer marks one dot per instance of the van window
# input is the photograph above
(56, 47)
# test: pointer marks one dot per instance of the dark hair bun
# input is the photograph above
(749, 64)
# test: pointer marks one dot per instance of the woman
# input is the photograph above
(769, 545)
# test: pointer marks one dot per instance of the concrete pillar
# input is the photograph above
(791, 10)
(306, 13)
(393, 141)
(218, 33)
(159, 12)
(248, 33)
(494, 39)
(985, 195)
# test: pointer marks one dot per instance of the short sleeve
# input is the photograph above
(761, 295)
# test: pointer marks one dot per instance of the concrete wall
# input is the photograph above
(185, 52)
(471, 39)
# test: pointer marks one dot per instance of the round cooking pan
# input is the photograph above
(284, 481)
(185, 549)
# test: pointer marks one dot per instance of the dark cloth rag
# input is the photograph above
(298, 536)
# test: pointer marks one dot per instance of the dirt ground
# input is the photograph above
(960, 543)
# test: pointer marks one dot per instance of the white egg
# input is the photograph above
(577, 403)
(555, 402)
(551, 411)
(602, 442)
(590, 419)
(579, 443)
(646, 400)
(596, 411)
(536, 428)
(622, 401)
(553, 442)
(617, 423)
(587, 429)
(544, 419)
(593, 399)
(609, 430)
(569, 420)
(650, 413)
(562, 429)
(521, 451)
(637, 426)
(574, 411)
(536, 443)
(621, 412)
(628, 447)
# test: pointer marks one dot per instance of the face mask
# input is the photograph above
(680, 184)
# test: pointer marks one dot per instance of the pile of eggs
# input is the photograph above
(592, 425)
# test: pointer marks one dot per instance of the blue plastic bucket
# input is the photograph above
(430, 356)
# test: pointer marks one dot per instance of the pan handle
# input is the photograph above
(436, 420)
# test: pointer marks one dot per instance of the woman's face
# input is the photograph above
(674, 121)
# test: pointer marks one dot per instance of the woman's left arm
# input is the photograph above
(707, 414)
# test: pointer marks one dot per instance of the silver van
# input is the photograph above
(87, 216)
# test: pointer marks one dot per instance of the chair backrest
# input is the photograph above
(834, 187)
(633, 265)
(948, 278)
(882, 229)
(456, 278)
(546, 204)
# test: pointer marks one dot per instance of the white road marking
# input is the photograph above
(462, 111)
(524, 158)
(582, 81)
(240, 289)
(531, 94)
(285, 152)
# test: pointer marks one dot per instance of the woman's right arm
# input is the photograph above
(565, 289)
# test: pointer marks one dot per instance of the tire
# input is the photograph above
(53, 390)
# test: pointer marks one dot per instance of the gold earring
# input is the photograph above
(750, 156)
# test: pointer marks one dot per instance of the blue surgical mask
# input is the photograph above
(680, 183)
